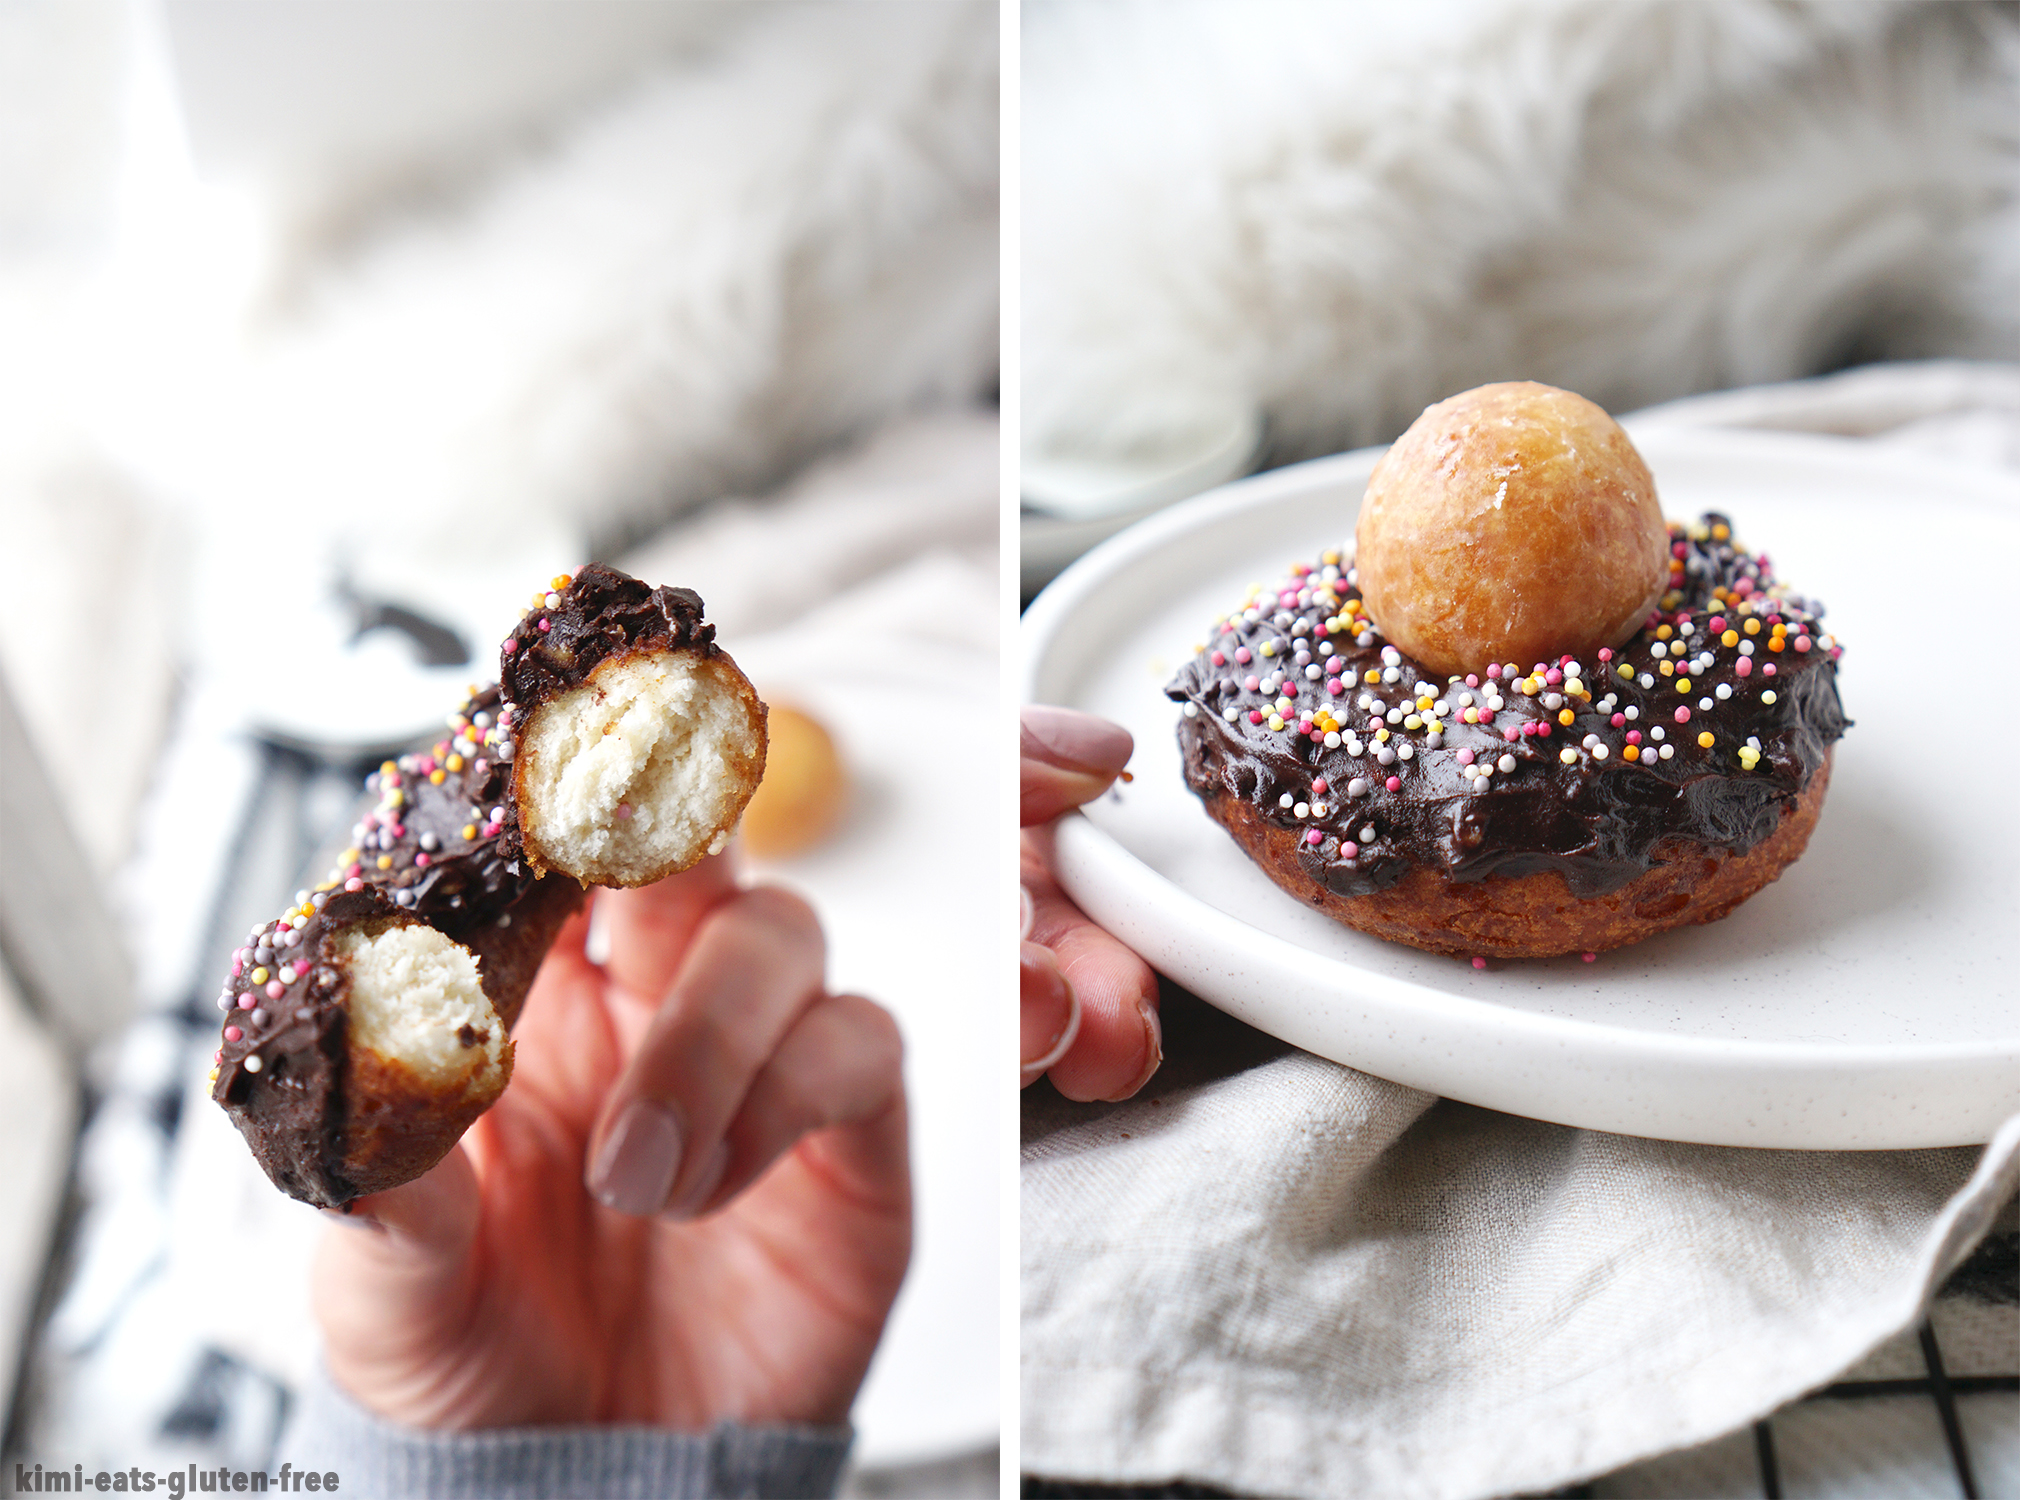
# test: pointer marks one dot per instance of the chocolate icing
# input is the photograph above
(1594, 819)
(603, 613)
(290, 1106)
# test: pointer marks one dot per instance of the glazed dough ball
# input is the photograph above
(1514, 522)
(801, 797)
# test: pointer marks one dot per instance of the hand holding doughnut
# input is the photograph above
(693, 1205)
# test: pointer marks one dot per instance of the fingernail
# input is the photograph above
(1153, 1046)
(634, 1171)
(1027, 914)
(1050, 1011)
(1073, 741)
(704, 1186)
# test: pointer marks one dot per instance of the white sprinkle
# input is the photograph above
(1314, 672)
(1768, 696)
(1318, 809)
(1567, 755)
(1632, 712)
(252, 1063)
(1391, 657)
(1390, 674)
(1553, 701)
(1704, 705)
(1284, 800)
(1725, 690)
(1646, 680)
(1506, 764)
(1668, 751)
(1192, 710)
(1368, 834)
(1386, 756)
(1599, 752)
(1746, 648)
(1656, 733)
(1302, 810)
(1405, 751)
(1325, 648)
(1658, 650)
(1230, 714)
(1358, 787)
(1435, 740)
(1332, 739)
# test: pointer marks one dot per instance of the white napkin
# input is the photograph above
(1284, 1277)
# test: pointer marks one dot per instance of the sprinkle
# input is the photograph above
(1705, 740)
(1768, 696)
(1683, 716)
(1479, 962)
(511, 646)
(1567, 755)
(1506, 764)
(1313, 836)
(252, 1063)
(275, 989)
(1367, 834)
(1394, 783)
(259, 976)
(354, 884)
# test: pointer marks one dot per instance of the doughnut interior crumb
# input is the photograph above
(415, 999)
(641, 770)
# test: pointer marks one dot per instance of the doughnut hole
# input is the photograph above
(1514, 522)
(804, 791)
(414, 999)
(640, 771)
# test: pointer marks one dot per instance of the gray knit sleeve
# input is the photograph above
(377, 1460)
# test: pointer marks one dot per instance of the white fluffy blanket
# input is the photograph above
(1330, 215)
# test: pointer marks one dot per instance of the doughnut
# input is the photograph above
(1512, 522)
(1572, 803)
(804, 791)
(367, 1026)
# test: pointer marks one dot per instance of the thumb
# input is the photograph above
(393, 1281)
(1065, 758)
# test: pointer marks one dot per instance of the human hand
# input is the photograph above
(692, 1204)
(1089, 1004)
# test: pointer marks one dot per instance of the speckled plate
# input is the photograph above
(1867, 999)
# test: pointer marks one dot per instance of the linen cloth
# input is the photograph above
(1277, 1275)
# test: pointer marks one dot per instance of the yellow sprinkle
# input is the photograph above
(1371, 675)
(1753, 627)
(348, 857)
(1381, 736)
(1768, 696)
(1624, 670)
(1730, 638)
(395, 797)
(300, 922)
(455, 762)
(1720, 532)
(1683, 684)
(1276, 721)
(1565, 716)
(1706, 740)
(259, 976)
(469, 830)
(1425, 702)
(385, 861)
(387, 768)
(213, 1075)
(1667, 669)
(560, 581)
(1663, 632)
(436, 777)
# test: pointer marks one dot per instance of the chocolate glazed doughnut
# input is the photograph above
(366, 1026)
(1522, 811)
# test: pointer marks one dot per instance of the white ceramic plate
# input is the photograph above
(1867, 999)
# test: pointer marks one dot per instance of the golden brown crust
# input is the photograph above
(1536, 916)
(396, 1127)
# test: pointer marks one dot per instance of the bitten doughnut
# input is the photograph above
(366, 1028)
(638, 742)
(1567, 804)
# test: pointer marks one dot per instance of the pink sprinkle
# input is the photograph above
(1493, 672)
(353, 873)
(1472, 680)
(399, 830)
(545, 627)
(1313, 836)
(1465, 757)
(421, 861)
(1219, 658)
(492, 830)
(510, 647)
(1242, 655)
(275, 989)
(1350, 849)
(1553, 677)
(1802, 643)
(1617, 720)
(1375, 724)
(1564, 660)
(1543, 731)
(1606, 653)
(1255, 716)
(1479, 962)
(1744, 666)
(483, 766)
(1768, 670)
(1253, 684)
(1319, 787)
(1683, 716)
(232, 1033)
(1743, 588)
(1511, 734)
(427, 765)
(1336, 687)
(1634, 736)
(247, 1001)
(1588, 957)
(1394, 783)
(624, 809)
(237, 967)
(354, 884)
(1716, 624)
(1335, 666)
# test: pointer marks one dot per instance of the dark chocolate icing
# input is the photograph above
(602, 613)
(281, 1078)
(1595, 817)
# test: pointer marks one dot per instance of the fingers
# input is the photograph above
(842, 1062)
(393, 1281)
(1049, 1022)
(650, 927)
(754, 966)
(1119, 1041)
(1064, 759)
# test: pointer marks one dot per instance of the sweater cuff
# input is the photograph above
(372, 1457)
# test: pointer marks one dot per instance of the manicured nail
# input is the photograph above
(634, 1171)
(1153, 1048)
(1050, 1011)
(1073, 741)
(1027, 914)
(705, 1185)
